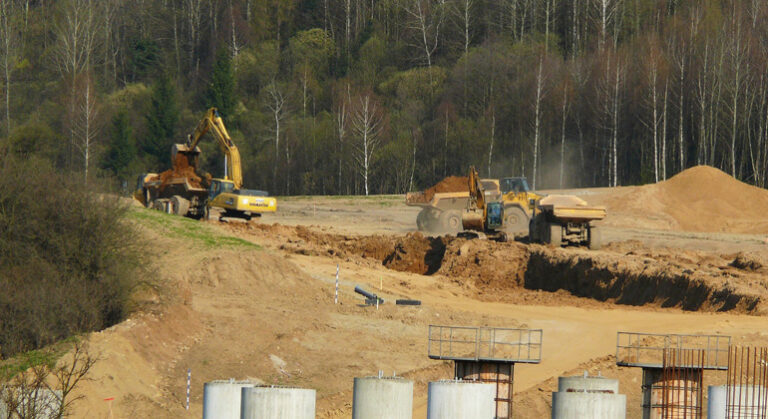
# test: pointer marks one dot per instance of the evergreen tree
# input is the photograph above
(122, 149)
(161, 120)
(221, 88)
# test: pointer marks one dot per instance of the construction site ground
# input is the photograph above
(256, 300)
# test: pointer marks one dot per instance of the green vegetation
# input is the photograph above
(192, 232)
(69, 260)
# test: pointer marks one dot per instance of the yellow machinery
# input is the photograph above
(482, 216)
(184, 191)
(519, 203)
(563, 219)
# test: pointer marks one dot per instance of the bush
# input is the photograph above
(68, 259)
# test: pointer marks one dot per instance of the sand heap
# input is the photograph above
(702, 199)
(182, 169)
(449, 184)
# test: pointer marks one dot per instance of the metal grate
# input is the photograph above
(648, 350)
(747, 383)
(465, 343)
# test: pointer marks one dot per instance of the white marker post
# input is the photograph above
(189, 384)
(336, 295)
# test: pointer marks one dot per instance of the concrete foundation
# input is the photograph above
(500, 374)
(588, 397)
(277, 403)
(456, 399)
(382, 398)
(746, 402)
(221, 399)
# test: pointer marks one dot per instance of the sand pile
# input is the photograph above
(702, 199)
(449, 184)
(182, 169)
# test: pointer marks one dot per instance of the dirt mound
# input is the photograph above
(748, 262)
(489, 265)
(182, 169)
(702, 199)
(449, 184)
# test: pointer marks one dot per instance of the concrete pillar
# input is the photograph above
(382, 398)
(588, 397)
(654, 404)
(716, 402)
(277, 403)
(500, 374)
(455, 399)
(221, 399)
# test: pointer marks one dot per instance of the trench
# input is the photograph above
(619, 278)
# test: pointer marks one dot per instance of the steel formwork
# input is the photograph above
(495, 344)
(647, 350)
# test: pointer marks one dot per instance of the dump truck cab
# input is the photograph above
(514, 184)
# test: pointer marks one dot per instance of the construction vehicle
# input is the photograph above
(442, 212)
(519, 203)
(483, 218)
(185, 190)
(563, 219)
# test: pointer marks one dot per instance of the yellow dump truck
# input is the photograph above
(441, 211)
(563, 219)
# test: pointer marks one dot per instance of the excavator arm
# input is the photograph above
(476, 190)
(212, 122)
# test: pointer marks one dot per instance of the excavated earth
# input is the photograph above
(625, 273)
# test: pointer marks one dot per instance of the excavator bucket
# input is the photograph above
(183, 156)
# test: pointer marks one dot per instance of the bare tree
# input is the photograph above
(85, 122)
(605, 13)
(541, 80)
(367, 125)
(341, 132)
(276, 105)
(425, 19)
(76, 32)
(10, 43)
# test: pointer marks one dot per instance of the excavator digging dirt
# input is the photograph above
(484, 218)
(185, 190)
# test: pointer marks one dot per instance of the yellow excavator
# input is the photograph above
(185, 191)
(483, 218)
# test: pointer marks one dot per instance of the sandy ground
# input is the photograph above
(268, 315)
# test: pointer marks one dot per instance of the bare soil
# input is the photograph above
(671, 265)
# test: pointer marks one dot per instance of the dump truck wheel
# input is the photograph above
(555, 234)
(595, 238)
(421, 220)
(515, 220)
(451, 221)
(180, 205)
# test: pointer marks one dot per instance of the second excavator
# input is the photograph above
(185, 190)
(483, 218)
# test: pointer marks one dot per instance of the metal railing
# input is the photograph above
(466, 343)
(647, 350)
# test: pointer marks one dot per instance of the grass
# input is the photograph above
(24, 361)
(190, 230)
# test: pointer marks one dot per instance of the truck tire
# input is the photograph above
(159, 204)
(555, 234)
(147, 198)
(421, 220)
(515, 219)
(180, 205)
(451, 221)
(595, 238)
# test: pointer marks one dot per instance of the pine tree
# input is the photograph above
(221, 88)
(161, 120)
(122, 149)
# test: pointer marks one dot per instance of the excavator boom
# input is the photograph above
(212, 122)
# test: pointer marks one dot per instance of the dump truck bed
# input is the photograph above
(569, 208)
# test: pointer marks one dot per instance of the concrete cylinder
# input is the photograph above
(221, 399)
(594, 384)
(277, 403)
(382, 398)
(716, 402)
(679, 394)
(585, 404)
(455, 399)
(588, 397)
(745, 402)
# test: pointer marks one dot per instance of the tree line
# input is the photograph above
(387, 96)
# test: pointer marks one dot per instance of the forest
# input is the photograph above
(388, 96)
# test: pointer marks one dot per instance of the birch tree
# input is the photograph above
(425, 19)
(86, 122)
(277, 107)
(10, 46)
(367, 126)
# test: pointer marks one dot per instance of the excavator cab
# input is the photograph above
(219, 186)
